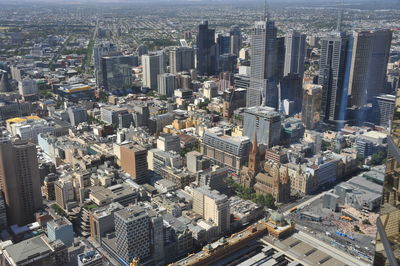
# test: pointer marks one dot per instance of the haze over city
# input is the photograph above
(202, 132)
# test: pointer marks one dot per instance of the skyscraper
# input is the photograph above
(331, 76)
(167, 84)
(310, 113)
(295, 46)
(134, 162)
(76, 115)
(265, 123)
(210, 204)
(181, 59)
(99, 51)
(236, 40)
(387, 250)
(153, 65)
(132, 230)
(263, 89)
(224, 43)
(383, 108)
(206, 53)
(116, 71)
(20, 181)
(369, 59)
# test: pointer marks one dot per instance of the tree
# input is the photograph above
(378, 158)
(325, 145)
(150, 93)
(58, 210)
(162, 97)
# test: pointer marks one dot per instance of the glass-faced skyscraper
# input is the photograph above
(369, 59)
(295, 44)
(206, 53)
(388, 224)
(332, 75)
(263, 89)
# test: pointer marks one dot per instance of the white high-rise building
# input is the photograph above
(167, 84)
(295, 52)
(153, 65)
(264, 63)
(212, 206)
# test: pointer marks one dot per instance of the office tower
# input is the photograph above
(387, 251)
(369, 59)
(265, 122)
(225, 80)
(168, 142)
(141, 116)
(117, 71)
(38, 250)
(227, 63)
(210, 89)
(134, 162)
(280, 57)
(184, 81)
(61, 229)
(295, 46)
(310, 113)
(313, 41)
(28, 88)
(20, 181)
(223, 43)
(157, 237)
(212, 205)
(383, 108)
(263, 89)
(291, 87)
(76, 115)
(181, 59)
(5, 85)
(102, 221)
(64, 192)
(132, 230)
(233, 99)
(236, 39)
(195, 161)
(167, 84)
(3, 213)
(225, 150)
(153, 65)
(110, 113)
(206, 50)
(99, 51)
(331, 76)
(241, 81)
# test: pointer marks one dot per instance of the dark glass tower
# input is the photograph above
(206, 53)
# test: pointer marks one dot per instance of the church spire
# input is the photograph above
(253, 156)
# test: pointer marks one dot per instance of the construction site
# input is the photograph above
(346, 227)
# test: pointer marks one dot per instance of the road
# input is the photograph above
(306, 202)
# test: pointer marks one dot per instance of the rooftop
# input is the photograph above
(28, 249)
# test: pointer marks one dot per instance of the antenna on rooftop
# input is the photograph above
(266, 11)
(340, 18)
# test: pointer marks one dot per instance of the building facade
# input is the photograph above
(263, 122)
(20, 181)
